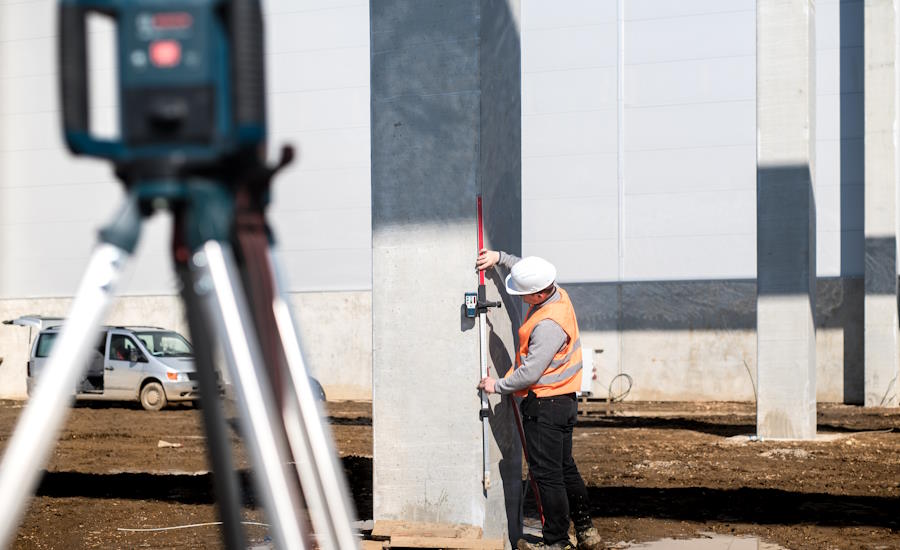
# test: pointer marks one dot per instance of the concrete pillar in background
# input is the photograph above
(786, 222)
(881, 362)
(445, 127)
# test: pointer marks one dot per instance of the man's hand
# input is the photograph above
(486, 259)
(487, 384)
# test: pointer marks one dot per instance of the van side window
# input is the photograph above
(45, 344)
(121, 347)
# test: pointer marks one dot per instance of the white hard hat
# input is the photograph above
(530, 275)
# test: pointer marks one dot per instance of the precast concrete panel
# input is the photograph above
(313, 110)
(569, 133)
(717, 33)
(27, 57)
(586, 218)
(674, 258)
(724, 169)
(588, 260)
(540, 14)
(336, 333)
(50, 203)
(709, 80)
(585, 46)
(690, 128)
(691, 214)
(306, 71)
(318, 81)
(701, 125)
(649, 9)
(321, 25)
(582, 176)
(317, 60)
(569, 136)
(567, 90)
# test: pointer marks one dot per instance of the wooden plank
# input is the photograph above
(386, 529)
(446, 542)
(372, 545)
(460, 531)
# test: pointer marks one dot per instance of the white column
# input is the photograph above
(786, 222)
(881, 361)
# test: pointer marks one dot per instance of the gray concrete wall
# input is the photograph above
(161, 311)
(682, 340)
(335, 329)
(336, 334)
(444, 126)
(696, 340)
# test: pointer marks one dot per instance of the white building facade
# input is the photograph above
(638, 129)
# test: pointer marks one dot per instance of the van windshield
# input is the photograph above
(165, 344)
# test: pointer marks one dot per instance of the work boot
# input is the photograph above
(589, 539)
(561, 545)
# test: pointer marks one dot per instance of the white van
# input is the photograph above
(148, 364)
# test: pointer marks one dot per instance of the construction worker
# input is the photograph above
(547, 373)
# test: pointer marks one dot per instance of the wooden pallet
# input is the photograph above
(408, 534)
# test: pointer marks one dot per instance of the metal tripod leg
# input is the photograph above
(226, 483)
(322, 477)
(39, 425)
(216, 280)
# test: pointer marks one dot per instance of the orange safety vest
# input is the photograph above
(563, 374)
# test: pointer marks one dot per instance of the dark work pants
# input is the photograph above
(548, 423)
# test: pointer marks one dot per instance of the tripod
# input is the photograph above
(224, 257)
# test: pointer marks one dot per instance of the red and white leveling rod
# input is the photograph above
(482, 328)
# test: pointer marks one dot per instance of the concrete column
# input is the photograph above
(786, 219)
(881, 362)
(445, 127)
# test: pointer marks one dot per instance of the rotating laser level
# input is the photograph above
(191, 89)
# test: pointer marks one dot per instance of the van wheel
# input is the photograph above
(153, 397)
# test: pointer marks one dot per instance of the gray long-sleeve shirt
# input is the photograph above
(546, 340)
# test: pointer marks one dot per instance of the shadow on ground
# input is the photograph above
(723, 428)
(185, 488)
(743, 505)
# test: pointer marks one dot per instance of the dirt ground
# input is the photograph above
(653, 470)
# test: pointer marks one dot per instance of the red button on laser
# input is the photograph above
(165, 53)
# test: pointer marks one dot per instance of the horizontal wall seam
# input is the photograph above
(683, 59)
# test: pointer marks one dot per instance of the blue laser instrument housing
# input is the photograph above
(191, 79)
